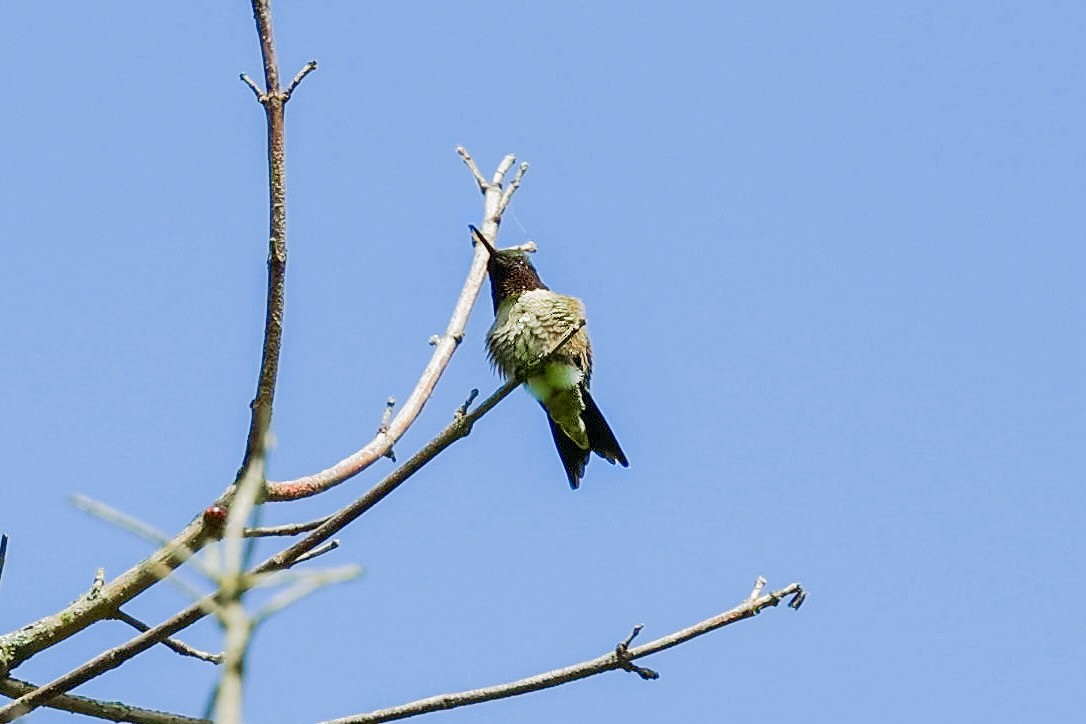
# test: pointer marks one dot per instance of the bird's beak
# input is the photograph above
(480, 239)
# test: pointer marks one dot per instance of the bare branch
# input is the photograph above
(386, 417)
(251, 477)
(318, 551)
(272, 100)
(444, 347)
(759, 584)
(288, 529)
(621, 658)
(178, 646)
(463, 409)
(306, 70)
(108, 710)
(253, 86)
(475, 172)
(528, 246)
(499, 175)
(508, 195)
(622, 653)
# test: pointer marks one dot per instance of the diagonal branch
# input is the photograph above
(619, 659)
(445, 346)
(179, 647)
(108, 710)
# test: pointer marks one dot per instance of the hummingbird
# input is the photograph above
(529, 319)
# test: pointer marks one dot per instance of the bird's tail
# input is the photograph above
(573, 458)
(600, 438)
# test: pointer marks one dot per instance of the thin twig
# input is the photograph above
(759, 584)
(3, 553)
(463, 409)
(108, 710)
(528, 246)
(306, 70)
(475, 172)
(253, 86)
(288, 529)
(507, 196)
(607, 662)
(386, 416)
(444, 347)
(622, 653)
(179, 646)
(318, 551)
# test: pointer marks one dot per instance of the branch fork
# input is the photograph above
(625, 662)
(283, 95)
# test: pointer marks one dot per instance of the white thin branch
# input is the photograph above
(508, 195)
(444, 348)
(475, 172)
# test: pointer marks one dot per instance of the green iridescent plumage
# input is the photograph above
(529, 319)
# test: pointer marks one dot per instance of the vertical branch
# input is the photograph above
(250, 480)
(273, 101)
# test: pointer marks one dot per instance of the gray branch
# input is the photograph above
(619, 659)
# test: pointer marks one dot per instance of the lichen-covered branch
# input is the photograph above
(107, 710)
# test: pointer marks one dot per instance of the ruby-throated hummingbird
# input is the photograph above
(529, 320)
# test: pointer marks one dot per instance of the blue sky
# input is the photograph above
(832, 259)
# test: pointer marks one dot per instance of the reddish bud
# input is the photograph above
(215, 516)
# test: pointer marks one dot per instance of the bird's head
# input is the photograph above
(511, 273)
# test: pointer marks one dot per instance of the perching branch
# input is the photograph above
(445, 345)
(619, 659)
(108, 710)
